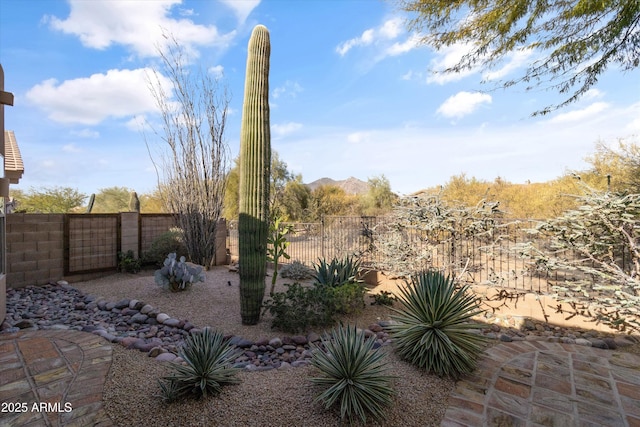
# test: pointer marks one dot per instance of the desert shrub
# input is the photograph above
(384, 298)
(296, 271)
(354, 375)
(432, 329)
(127, 262)
(165, 243)
(347, 298)
(300, 307)
(208, 367)
(337, 272)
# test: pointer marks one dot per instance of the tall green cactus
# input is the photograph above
(92, 200)
(255, 161)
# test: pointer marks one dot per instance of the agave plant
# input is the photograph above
(338, 272)
(354, 375)
(209, 365)
(432, 329)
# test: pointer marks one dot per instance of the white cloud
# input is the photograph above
(359, 137)
(446, 58)
(463, 103)
(289, 88)
(89, 100)
(217, 71)
(243, 8)
(391, 29)
(404, 47)
(365, 39)
(285, 129)
(136, 24)
(71, 148)
(580, 115)
(514, 60)
(85, 133)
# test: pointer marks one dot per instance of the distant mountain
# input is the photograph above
(350, 185)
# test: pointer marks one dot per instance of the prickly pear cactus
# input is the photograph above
(255, 160)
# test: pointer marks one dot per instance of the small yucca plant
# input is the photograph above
(433, 330)
(354, 375)
(209, 358)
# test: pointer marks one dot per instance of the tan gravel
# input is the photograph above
(271, 398)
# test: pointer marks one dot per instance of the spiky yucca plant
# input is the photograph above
(209, 358)
(433, 330)
(354, 375)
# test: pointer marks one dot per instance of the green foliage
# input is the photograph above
(277, 245)
(354, 376)
(296, 270)
(578, 40)
(331, 200)
(379, 200)
(176, 275)
(337, 272)
(347, 298)
(232, 193)
(384, 298)
(255, 160)
(432, 329)
(48, 200)
(166, 243)
(112, 200)
(295, 200)
(208, 367)
(300, 308)
(127, 262)
(621, 164)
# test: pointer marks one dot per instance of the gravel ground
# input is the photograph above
(271, 398)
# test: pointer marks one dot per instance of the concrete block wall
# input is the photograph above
(35, 245)
(35, 253)
(130, 232)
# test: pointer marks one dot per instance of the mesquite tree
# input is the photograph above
(194, 163)
(255, 158)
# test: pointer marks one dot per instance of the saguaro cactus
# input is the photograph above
(92, 200)
(134, 202)
(255, 160)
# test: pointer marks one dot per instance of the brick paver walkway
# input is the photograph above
(528, 383)
(536, 383)
(53, 378)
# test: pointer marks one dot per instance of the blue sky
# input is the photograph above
(351, 93)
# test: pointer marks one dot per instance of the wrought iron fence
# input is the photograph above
(490, 258)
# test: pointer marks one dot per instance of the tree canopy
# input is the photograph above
(48, 200)
(576, 40)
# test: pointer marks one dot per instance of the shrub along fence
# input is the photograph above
(488, 260)
(49, 247)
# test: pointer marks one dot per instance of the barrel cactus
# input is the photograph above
(255, 160)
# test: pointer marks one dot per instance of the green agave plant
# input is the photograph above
(354, 375)
(209, 358)
(433, 330)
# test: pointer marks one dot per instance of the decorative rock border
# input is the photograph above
(137, 325)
